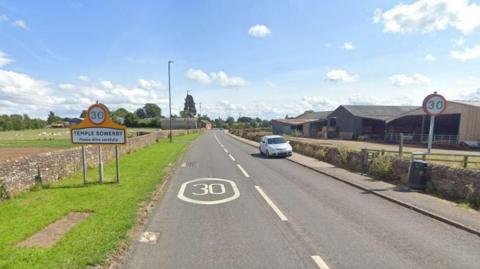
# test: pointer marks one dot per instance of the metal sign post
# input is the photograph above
(100, 163)
(99, 129)
(433, 105)
(117, 163)
(430, 134)
(84, 165)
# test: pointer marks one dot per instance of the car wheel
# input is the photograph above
(259, 149)
(267, 154)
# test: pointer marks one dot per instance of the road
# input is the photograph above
(277, 214)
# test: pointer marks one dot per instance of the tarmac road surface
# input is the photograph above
(228, 207)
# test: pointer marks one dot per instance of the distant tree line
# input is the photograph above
(241, 123)
(20, 122)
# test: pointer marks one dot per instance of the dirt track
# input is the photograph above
(12, 153)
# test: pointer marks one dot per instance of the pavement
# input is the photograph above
(226, 206)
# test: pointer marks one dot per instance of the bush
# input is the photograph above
(473, 196)
(296, 133)
(381, 168)
(3, 192)
(320, 154)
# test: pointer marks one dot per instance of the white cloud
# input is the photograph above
(466, 54)
(150, 84)
(198, 76)
(220, 78)
(430, 15)
(21, 24)
(259, 31)
(459, 41)
(400, 80)
(107, 84)
(430, 57)
(226, 81)
(66, 86)
(4, 59)
(349, 46)
(339, 75)
(359, 99)
(271, 84)
(3, 17)
(83, 78)
(21, 93)
(316, 104)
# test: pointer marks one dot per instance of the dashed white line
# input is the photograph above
(231, 157)
(243, 170)
(320, 262)
(184, 165)
(271, 204)
(224, 149)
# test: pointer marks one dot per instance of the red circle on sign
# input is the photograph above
(430, 104)
(104, 114)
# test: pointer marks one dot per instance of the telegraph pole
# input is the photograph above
(170, 101)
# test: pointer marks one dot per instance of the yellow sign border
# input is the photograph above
(107, 123)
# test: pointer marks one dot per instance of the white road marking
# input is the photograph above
(184, 165)
(149, 237)
(320, 262)
(243, 170)
(271, 204)
(231, 157)
(208, 189)
(224, 149)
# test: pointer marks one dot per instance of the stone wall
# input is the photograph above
(17, 175)
(452, 183)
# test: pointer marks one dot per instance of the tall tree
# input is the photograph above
(52, 118)
(189, 107)
(140, 113)
(152, 111)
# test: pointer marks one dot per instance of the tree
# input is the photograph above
(121, 112)
(131, 120)
(152, 111)
(189, 107)
(140, 113)
(230, 121)
(83, 114)
(52, 118)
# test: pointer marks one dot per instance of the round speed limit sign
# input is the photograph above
(97, 114)
(434, 104)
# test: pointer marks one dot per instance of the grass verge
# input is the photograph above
(115, 207)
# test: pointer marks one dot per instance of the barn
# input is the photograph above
(308, 124)
(458, 123)
(366, 122)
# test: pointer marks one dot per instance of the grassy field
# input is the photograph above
(45, 138)
(115, 211)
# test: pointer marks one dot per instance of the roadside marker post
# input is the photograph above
(98, 128)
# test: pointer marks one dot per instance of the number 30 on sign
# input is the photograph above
(434, 104)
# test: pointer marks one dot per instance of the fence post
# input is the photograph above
(364, 160)
(465, 161)
(400, 146)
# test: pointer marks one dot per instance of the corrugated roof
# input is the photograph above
(294, 121)
(319, 115)
(467, 102)
(378, 112)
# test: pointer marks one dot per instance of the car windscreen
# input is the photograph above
(276, 140)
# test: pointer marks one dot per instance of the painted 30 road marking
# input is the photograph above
(210, 188)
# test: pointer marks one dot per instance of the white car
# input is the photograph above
(275, 145)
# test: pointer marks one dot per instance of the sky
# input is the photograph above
(252, 58)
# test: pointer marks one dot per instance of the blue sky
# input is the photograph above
(255, 58)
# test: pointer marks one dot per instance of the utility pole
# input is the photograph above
(200, 104)
(170, 101)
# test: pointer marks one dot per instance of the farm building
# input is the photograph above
(308, 124)
(363, 121)
(458, 123)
